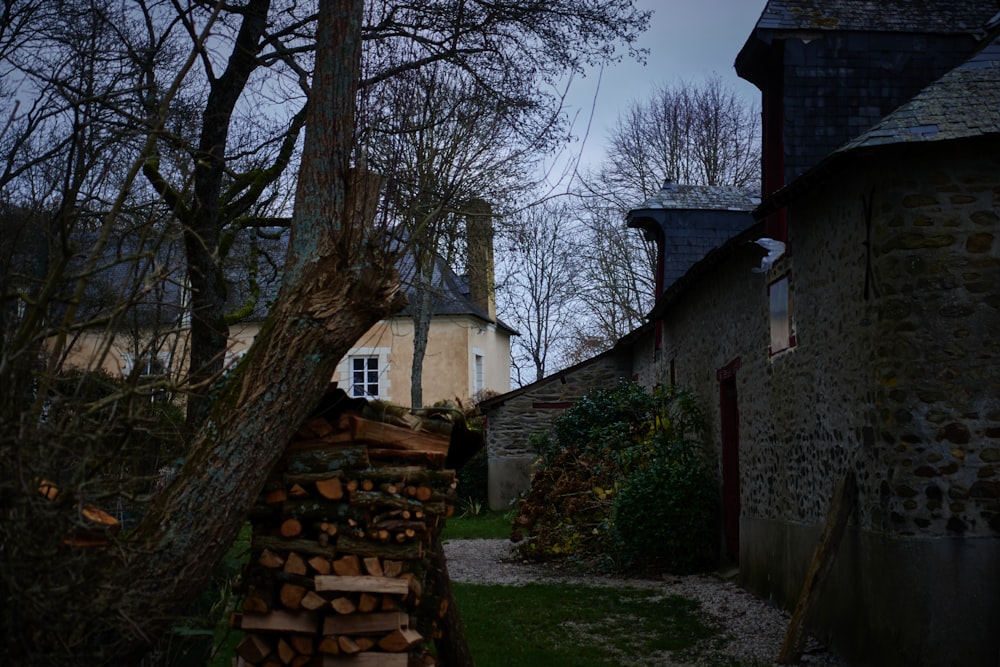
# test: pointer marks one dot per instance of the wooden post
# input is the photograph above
(822, 562)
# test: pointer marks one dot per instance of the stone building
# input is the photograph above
(868, 343)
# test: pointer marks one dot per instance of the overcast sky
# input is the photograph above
(688, 41)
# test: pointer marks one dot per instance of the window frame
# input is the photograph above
(787, 336)
(345, 372)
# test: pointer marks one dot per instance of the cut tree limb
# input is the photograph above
(840, 510)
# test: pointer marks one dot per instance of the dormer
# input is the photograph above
(689, 221)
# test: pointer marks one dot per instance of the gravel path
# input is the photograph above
(754, 630)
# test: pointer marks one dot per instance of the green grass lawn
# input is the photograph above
(549, 625)
(485, 525)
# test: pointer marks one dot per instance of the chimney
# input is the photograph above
(479, 264)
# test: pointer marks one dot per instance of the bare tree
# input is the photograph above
(692, 134)
(114, 99)
(448, 145)
(540, 287)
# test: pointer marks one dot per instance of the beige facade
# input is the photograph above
(465, 356)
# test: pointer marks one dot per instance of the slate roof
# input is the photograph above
(914, 16)
(450, 294)
(701, 197)
(693, 221)
(963, 103)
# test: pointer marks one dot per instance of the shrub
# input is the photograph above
(623, 480)
(665, 515)
(472, 478)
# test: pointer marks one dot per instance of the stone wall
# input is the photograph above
(937, 264)
(514, 417)
(899, 381)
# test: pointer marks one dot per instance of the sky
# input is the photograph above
(688, 41)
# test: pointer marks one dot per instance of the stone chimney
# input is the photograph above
(479, 265)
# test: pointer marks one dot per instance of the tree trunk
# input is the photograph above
(423, 287)
(337, 283)
(202, 231)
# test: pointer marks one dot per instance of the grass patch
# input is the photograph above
(485, 525)
(548, 625)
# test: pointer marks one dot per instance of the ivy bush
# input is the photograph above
(623, 482)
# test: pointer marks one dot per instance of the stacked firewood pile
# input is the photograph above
(342, 540)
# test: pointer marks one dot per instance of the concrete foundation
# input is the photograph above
(889, 600)
(508, 477)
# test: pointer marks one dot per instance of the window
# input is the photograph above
(149, 364)
(478, 374)
(782, 328)
(364, 373)
(364, 377)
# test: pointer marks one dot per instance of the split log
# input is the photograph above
(347, 645)
(348, 566)
(253, 648)
(373, 566)
(291, 595)
(259, 596)
(368, 603)
(392, 568)
(303, 644)
(270, 560)
(313, 601)
(343, 605)
(365, 624)
(396, 437)
(331, 488)
(305, 622)
(285, 652)
(294, 564)
(361, 584)
(399, 640)
(328, 645)
(255, 603)
(290, 527)
(320, 564)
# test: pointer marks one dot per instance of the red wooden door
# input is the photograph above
(730, 464)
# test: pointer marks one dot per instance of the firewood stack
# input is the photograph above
(340, 551)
